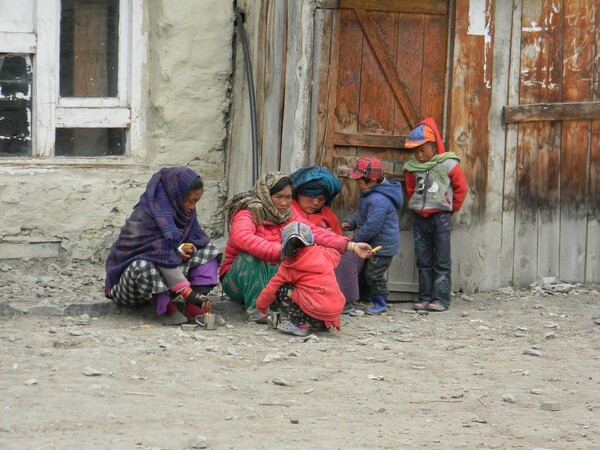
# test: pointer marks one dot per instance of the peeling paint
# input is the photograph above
(477, 22)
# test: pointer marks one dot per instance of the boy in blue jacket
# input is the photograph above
(376, 222)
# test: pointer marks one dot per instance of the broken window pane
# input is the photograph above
(15, 105)
(90, 142)
(89, 44)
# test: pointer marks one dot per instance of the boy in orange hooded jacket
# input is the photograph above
(436, 188)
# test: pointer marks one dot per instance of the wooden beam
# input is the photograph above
(405, 6)
(388, 67)
(537, 112)
(368, 140)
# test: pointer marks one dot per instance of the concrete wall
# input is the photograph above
(55, 208)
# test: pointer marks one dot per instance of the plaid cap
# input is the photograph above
(297, 230)
(419, 135)
(367, 167)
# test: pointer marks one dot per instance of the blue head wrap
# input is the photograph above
(316, 180)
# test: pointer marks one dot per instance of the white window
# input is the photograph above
(69, 79)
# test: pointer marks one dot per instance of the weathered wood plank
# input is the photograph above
(500, 211)
(552, 111)
(409, 65)
(322, 68)
(469, 107)
(592, 263)
(350, 42)
(578, 57)
(434, 69)
(537, 147)
(18, 42)
(292, 105)
(545, 156)
(375, 115)
(387, 65)
(370, 140)
(406, 6)
(325, 156)
(93, 117)
(346, 105)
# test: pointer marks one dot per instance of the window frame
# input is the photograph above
(50, 111)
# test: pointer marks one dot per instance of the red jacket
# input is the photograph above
(264, 241)
(456, 178)
(316, 291)
(324, 219)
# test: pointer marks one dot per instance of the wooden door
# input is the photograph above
(383, 72)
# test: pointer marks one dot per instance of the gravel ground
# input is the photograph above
(502, 369)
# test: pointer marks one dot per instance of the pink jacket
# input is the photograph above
(264, 241)
(317, 293)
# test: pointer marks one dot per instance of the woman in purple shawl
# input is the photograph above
(162, 252)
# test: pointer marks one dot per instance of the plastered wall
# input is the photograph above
(57, 209)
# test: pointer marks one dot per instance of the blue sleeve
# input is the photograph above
(376, 213)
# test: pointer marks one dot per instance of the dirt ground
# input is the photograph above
(498, 370)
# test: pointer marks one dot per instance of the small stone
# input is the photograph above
(91, 372)
(550, 406)
(281, 382)
(188, 327)
(509, 398)
(198, 442)
(359, 313)
(45, 352)
(376, 377)
(550, 335)
(478, 419)
(273, 357)
(531, 352)
(536, 391)
(31, 382)
(455, 346)
(294, 421)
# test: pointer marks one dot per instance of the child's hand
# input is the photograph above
(345, 226)
(262, 312)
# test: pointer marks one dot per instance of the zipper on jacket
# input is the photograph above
(425, 190)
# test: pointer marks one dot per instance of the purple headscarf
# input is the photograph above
(157, 225)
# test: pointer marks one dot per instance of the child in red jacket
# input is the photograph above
(305, 287)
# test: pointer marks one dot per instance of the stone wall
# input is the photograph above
(54, 208)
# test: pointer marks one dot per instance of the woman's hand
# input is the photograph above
(186, 250)
(362, 249)
(207, 306)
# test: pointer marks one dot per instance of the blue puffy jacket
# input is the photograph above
(376, 219)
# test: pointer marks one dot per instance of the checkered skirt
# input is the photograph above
(142, 278)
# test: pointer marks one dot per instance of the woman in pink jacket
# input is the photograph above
(305, 287)
(253, 250)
